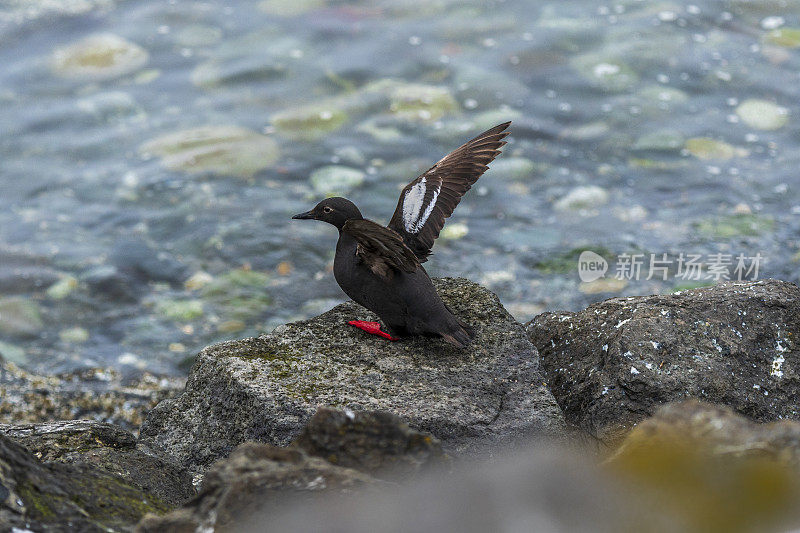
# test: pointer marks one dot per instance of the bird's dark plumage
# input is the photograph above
(381, 267)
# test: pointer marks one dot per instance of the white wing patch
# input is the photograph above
(415, 212)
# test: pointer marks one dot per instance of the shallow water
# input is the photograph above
(131, 238)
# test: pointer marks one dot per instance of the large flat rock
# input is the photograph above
(612, 364)
(266, 388)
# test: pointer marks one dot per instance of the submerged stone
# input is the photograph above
(224, 150)
(62, 288)
(336, 180)
(12, 353)
(289, 8)
(786, 37)
(310, 122)
(512, 168)
(762, 114)
(708, 148)
(584, 197)
(180, 310)
(20, 317)
(99, 57)
(607, 74)
(665, 140)
(76, 335)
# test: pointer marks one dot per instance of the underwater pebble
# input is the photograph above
(602, 285)
(289, 8)
(454, 231)
(762, 114)
(180, 310)
(20, 317)
(198, 35)
(224, 150)
(786, 37)
(584, 197)
(660, 141)
(309, 122)
(424, 103)
(514, 168)
(333, 180)
(708, 148)
(12, 353)
(198, 280)
(76, 335)
(99, 57)
(62, 288)
(605, 74)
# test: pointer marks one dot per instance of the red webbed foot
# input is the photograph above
(373, 328)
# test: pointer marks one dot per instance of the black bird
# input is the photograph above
(380, 267)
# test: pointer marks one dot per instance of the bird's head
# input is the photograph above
(334, 211)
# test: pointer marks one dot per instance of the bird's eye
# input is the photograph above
(327, 209)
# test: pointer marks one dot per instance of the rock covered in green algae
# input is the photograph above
(614, 363)
(266, 388)
(104, 447)
(66, 497)
(99, 57)
(224, 150)
(256, 477)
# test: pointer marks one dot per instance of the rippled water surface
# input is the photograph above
(153, 152)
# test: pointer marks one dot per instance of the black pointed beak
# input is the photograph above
(304, 216)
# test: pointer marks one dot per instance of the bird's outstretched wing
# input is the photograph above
(381, 249)
(427, 201)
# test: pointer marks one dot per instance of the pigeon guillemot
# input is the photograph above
(380, 267)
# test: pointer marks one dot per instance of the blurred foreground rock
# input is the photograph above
(374, 442)
(266, 388)
(714, 468)
(256, 478)
(612, 364)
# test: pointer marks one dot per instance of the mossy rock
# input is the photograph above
(266, 388)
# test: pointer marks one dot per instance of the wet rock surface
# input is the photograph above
(612, 364)
(266, 388)
(256, 477)
(104, 447)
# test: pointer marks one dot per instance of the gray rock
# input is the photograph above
(102, 446)
(254, 477)
(535, 490)
(612, 364)
(375, 442)
(60, 497)
(266, 388)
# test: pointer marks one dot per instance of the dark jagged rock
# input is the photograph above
(375, 442)
(266, 388)
(256, 477)
(62, 497)
(107, 447)
(612, 364)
